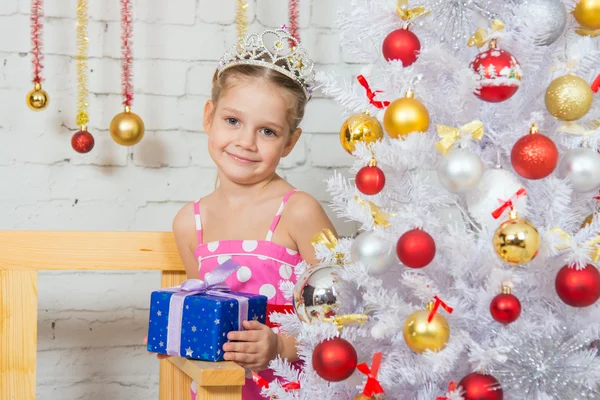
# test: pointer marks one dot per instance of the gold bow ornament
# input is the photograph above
(573, 128)
(450, 135)
(483, 36)
(406, 13)
(379, 217)
(594, 244)
(327, 238)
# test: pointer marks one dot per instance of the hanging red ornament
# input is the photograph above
(578, 288)
(416, 248)
(505, 307)
(534, 156)
(480, 387)
(334, 360)
(370, 179)
(82, 141)
(402, 45)
(499, 74)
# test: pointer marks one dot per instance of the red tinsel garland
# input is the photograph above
(37, 14)
(294, 14)
(126, 52)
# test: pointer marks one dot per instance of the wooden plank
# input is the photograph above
(206, 373)
(174, 383)
(74, 250)
(18, 334)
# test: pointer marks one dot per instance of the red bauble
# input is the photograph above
(82, 142)
(370, 180)
(578, 288)
(505, 308)
(402, 45)
(334, 360)
(416, 248)
(499, 75)
(534, 156)
(480, 387)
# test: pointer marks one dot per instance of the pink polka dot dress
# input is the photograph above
(265, 265)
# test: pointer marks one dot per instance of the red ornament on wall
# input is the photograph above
(82, 142)
(402, 45)
(334, 360)
(499, 74)
(505, 307)
(416, 248)
(578, 288)
(534, 156)
(480, 387)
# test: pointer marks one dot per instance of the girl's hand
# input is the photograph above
(253, 348)
(159, 356)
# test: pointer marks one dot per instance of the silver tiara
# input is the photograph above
(268, 50)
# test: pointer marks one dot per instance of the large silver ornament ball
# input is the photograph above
(316, 294)
(374, 251)
(582, 167)
(460, 170)
(546, 18)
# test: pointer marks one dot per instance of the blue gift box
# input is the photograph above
(196, 325)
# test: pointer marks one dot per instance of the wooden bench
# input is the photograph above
(24, 253)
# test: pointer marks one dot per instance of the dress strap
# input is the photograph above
(278, 215)
(198, 221)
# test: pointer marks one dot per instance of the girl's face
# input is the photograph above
(248, 130)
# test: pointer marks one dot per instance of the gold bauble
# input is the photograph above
(587, 13)
(405, 116)
(127, 128)
(37, 99)
(421, 335)
(516, 241)
(360, 128)
(569, 97)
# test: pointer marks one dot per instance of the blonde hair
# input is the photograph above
(222, 82)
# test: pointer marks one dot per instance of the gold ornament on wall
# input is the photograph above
(127, 128)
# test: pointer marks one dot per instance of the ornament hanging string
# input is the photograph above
(126, 53)
(452, 386)
(81, 56)
(37, 14)
(294, 13)
(508, 203)
(371, 94)
(596, 84)
(436, 306)
(372, 386)
(241, 18)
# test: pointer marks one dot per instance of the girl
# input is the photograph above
(254, 216)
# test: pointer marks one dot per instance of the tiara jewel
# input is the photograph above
(275, 49)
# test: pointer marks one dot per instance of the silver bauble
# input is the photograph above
(460, 170)
(374, 251)
(316, 294)
(582, 168)
(547, 18)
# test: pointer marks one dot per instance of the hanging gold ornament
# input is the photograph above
(405, 116)
(587, 13)
(127, 128)
(421, 334)
(37, 99)
(516, 241)
(360, 128)
(569, 98)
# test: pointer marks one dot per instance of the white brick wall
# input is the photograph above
(91, 324)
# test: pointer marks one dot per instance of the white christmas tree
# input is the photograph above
(549, 350)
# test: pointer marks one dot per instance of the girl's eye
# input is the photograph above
(268, 132)
(232, 121)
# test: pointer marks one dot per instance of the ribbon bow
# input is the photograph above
(596, 84)
(483, 36)
(263, 383)
(379, 217)
(372, 386)
(450, 135)
(435, 306)
(594, 243)
(371, 94)
(573, 128)
(326, 238)
(406, 13)
(508, 203)
(452, 386)
(213, 280)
